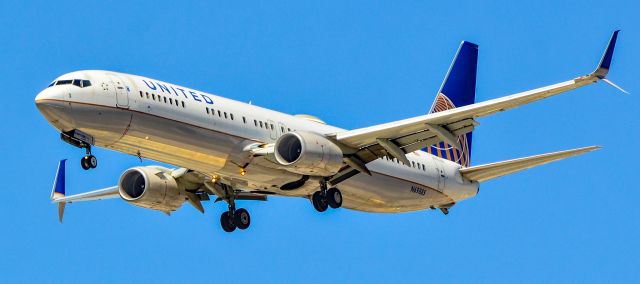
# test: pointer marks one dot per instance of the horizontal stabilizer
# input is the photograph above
(100, 194)
(58, 193)
(490, 171)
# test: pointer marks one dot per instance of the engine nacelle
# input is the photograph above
(308, 154)
(152, 188)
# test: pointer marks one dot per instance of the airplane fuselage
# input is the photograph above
(211, 134)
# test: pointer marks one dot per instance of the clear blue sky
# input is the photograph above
(353, 65)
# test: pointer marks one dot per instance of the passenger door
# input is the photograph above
(122, 92)
(281, 129)
(273, 132)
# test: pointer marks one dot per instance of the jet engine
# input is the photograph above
(151, 187)
(308, 154)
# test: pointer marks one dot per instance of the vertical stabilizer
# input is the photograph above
(458, 89)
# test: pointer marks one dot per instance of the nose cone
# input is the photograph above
(55, 109)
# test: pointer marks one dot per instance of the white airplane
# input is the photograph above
(237, 151)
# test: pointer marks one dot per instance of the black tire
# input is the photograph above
(226, 221)
(93, 161)
(319, 202)
(334, 198)
(242, 219)
(84, 163)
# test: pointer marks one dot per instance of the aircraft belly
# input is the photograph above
(387, 194)
(91, 119)
(177, 143)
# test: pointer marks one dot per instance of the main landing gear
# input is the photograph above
(234, 218)
(325, 198)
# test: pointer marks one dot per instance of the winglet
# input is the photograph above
(58, 190)
(605, 62)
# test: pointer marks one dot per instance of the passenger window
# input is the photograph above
(182, 103)
(165, 99)
(225, 115)
(288, 129)
(271, 126)
(260, 124)
(282, 129)
(86, 83)
(231, 115)
(77, 83)
(147, 95)
(141, 95)
(255, 122)
(219, 113)
(207, 110)
(154, 96)
(423, 167)
(170, 100)
(244, 120)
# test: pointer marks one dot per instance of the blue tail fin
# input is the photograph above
(457, 90)
(59, 186)
(59, 183)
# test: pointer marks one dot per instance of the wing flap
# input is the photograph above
(490, 171)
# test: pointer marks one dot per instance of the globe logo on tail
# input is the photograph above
(442, 149)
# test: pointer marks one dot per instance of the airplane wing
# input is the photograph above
(192, 180)
(405, 136)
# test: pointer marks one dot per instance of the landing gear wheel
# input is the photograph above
(93, 161)
(84, 162)
(89, 162)
(242, 219)
(226, 220)
(334, 198)
(319, 202)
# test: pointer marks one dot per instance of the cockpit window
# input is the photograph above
(75, 82)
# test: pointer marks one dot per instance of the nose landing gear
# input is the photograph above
(80, 139)
(89, 162)
(325, 198)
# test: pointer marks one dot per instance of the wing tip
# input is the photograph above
(605, 62)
